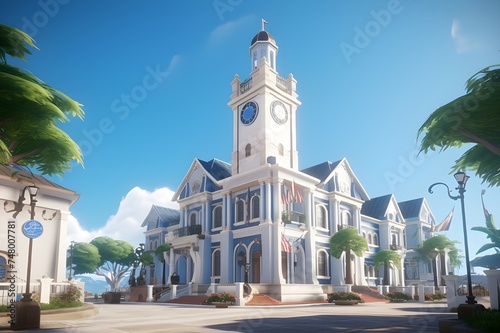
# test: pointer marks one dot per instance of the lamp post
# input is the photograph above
(28, 311)
(461, 179)
(71, 260)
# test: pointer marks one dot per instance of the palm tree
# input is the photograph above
(471, 118)
(347, 240)
(438, 245)
(165, 247)
(389, 259)
(30, 111)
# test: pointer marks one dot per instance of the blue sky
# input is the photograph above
(154, 78)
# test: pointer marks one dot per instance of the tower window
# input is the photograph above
(280, 149)
(254, 59)
(248, 150)
(240, 210)
(217, 217)
(255, 207)
(272, 59)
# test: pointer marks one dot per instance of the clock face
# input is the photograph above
(279, 112)
(249, 113)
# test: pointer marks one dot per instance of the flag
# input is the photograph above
(445, 225)
(297, 195)
(284, 198)
(485, 211)
(285, 245)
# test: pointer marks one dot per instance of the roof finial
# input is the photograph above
(264, 22)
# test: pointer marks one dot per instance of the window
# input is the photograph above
(346, 219)
(255, 207)
(394, 240)
(280, 150)
(248, 150)
(240, 210)
(3, 268)
(375, 239)
(321, 217)
(370, 239)
(217, 217)
(371, 272)
(254, 59)
(322, 263)
(272, 59)
(216, 263)
(193, 218)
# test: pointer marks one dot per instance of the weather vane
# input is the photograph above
(264, 22)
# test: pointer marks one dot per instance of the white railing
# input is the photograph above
(42, 291)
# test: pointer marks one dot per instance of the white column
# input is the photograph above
(45, 289)
(240, 301)
(149, 297)
(61, 248)
(171, 269)
(493, 276)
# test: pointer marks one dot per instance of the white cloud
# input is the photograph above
(228, 29)
(462, 42)
(126, 223)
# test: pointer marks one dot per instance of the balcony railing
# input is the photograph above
(187, 231)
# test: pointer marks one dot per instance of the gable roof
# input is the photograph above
(411, 208)
(321, 171)
(376, 207)
(216, 168)
(165, 216)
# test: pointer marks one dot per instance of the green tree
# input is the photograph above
(470, 119)
(165, 247)
(30, 111)
(105, 257)
(389, 259)
(439, 245)
(347, 240)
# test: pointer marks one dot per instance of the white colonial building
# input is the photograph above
(49, 250)
(262, 220)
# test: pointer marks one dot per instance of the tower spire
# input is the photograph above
(264, 22)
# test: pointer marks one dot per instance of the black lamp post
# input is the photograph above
(71, 260)
(28, 311)
(461, 179)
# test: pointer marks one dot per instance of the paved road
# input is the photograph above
(149, 318)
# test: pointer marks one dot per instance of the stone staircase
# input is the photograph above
(262, 299)
(368, 294)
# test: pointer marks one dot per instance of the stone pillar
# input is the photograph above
(45, 289)
(149, 298)
(453, 300)
(421, 293)
(81, 286)
(173, 291)
(240, 301)
(493, 276)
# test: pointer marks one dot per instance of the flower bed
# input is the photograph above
(223, 297)
(397, 296)
(340, 297)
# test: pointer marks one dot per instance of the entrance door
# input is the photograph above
(284, 265)
(255, 267)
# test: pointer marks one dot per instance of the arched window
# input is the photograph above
(255, 204)
(394, 241)
(217, 217)
(216, 263)
(281, 151)
(155, 245)
(346, 219)
(193, 218)
(321, 217)
(370, 239)
(240, 210)
(322, 263)
(248, 150)
(371, 272)
(375, 239)
(364, 235)
(254, 59)
(271, 55)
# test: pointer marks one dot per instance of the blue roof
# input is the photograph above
(376, 207)
(217, 168)
(321, 171)
(411, 208)
(165, 217)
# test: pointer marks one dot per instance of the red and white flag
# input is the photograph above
(285, 244)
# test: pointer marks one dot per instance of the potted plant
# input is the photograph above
(344, 298)
(286, 217)
(221, 300)
(397, 297)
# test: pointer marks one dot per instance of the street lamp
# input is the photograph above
(461, 179)
(28, 311)
(71, 260)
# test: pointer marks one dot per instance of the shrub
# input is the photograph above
(343, 296)
(223, 297)
(398, 295)
(71, 294)
(485, 321)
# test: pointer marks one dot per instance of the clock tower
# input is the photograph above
(264, 111)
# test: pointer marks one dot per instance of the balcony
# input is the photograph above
(187, 231)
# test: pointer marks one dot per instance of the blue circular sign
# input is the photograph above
(32, 229)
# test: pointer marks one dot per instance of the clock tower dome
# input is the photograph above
(264, 111)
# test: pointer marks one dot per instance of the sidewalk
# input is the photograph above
(325, 317)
